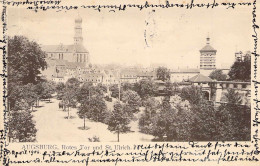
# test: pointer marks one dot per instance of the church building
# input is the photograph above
(71, 53)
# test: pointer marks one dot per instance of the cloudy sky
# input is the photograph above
(173, 36)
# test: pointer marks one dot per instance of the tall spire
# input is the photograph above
(78, 39)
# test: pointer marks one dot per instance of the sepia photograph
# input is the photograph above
(159, 76)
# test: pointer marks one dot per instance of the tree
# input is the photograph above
(127, 86)
(93, 108)
(87, 90)
(84, 92)
(48, 90)
(60, 90)
(184, 118)
(25, 60)
(241, 70)
(132, 99)
(205, 121)
(118, 120)
(145, 121)
(193, 94)
(72, 83)
(114, 90)
(234, 118)
(21, 126)
(163, 124)
(218, 75)
(145, 88)
(69, 98)
(23, 93)
(163, 74)
(38, 89)
(169, 88)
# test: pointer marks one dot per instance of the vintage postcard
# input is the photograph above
(129, 83)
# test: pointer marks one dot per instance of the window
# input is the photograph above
(243, 85)
(235, 85)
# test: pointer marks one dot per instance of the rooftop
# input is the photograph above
(200, 78)
(208, 48)
(64, 48)
(185, 70)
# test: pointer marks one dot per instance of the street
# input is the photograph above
(52, 126)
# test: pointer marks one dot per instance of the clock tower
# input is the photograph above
(207, 59)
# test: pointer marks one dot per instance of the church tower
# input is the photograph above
(78, 39)
(207, 58)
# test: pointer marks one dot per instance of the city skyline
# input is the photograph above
(125, 43)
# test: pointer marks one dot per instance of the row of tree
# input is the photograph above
(189, 117)
(25, 86)
(91, 104)
(239, 71)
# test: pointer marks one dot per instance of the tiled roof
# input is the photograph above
(208, 48)
(64, 48)
(200, 78)
(129, 72)
(185, 71)
(60, 62)
(145, 74)
(75, 64)
(92, 75)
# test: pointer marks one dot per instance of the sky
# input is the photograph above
(173, 36)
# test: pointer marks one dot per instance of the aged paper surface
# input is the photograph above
(129, 82)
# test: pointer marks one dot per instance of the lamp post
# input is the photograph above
(119, 90)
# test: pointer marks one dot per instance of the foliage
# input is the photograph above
(193, 94)
(118, 120)
(25, 60)
(21, 126)
(218, 75)
(60, 90)
(241, 70)
(87, 90)
(164, 123)
(145, 121)
(145, 88)
(93, 108)
(48, 90)
(127, 86)
(114, 90)
(72, 83)
(101, 88)
(70, 94)
(204, 126)
(23, 93)
(163, 74)
(84, 92)
(169, 89)
(234, 119)
(132, 99)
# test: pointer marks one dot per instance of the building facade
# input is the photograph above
(71, 53)
(207, 59)
(182, 75)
